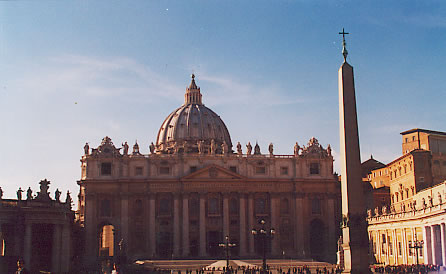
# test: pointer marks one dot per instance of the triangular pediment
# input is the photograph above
(213, 172)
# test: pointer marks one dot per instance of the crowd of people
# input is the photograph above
(421, 268)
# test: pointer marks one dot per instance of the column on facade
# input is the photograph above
(65, 256)
(27, 244)
(242, 243)
(427, 250)
(414, 237)
(388, 248)
(378, 246)
(331, 225)
(56, 250)
(2, 246)
(299, 218)
(176, 225)
(443, 243)
(436, 248)
(202, 223)
(251, 222)
(395, 246)
(275, 224)
(186, 249)
(124, 235)
(225, 214)
(404, 245)
(91, 240)
(152, 226)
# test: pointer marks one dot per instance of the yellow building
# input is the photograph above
(417, 203)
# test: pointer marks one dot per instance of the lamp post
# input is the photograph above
(226, 246)
(416, 245)
(264, 235)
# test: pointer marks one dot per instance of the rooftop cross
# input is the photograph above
(344, 49)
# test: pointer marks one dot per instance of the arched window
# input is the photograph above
(138, 208)
(105, 208)
(284, 206)
(233, 206)
(260, 206)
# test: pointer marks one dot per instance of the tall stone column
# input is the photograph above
(251, 222)
(202, 223)
(354, 230)
(65, 255)
(275, 224)
(443, 243)
(152, 226)
(436, 256)
(427, 245)
(186, 243)
(176, 225)
(91, 240)
(298, 229)
(225, 214)
(242, 214)
(124, 221)
(331, 248)
(56, 251)
(27, 244)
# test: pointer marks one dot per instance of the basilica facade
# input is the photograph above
(195, 187)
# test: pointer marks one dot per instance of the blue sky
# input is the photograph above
(75, 71)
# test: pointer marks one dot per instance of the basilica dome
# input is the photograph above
(193, 128)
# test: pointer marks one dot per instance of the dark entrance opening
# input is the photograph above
(194, 247)
(317, 239)
(42, 246)
(164, 245)
(214, 239)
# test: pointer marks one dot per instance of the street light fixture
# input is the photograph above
(264, 235)
(416, 245)
(227, 245)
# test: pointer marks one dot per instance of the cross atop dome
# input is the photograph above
(193, 95)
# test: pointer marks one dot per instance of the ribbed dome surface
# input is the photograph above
(191, 123)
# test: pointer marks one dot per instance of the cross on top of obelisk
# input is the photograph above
(344, 49)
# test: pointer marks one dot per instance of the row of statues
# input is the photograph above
(213, 147)
(410, 207)
(29, 195)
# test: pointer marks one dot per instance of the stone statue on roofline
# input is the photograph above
(125, 147)
(239, 148)
(152, 148)
(271, 149)
(68, 200)
(19, 194)
(87, 149)
(200, 146)
(296, 149)
(248, 148)
(57, 195)
(29, 194)
(257, 149)
(224, 148)
(1, 193)
(213, 147)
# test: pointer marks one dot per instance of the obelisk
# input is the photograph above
(354, 226)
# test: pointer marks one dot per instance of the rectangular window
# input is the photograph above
(284, 170)
(164, 170)
(233, 169)
(106, 169)
(400, 249)
(260, 170)
(314, 168)
(192, 169)
(138, 170)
